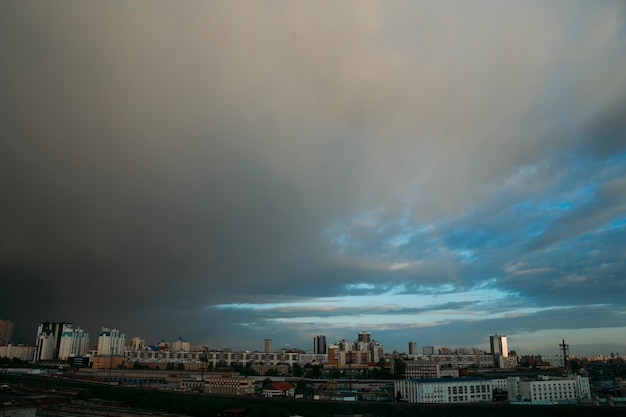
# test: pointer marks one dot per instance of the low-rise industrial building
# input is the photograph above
(444, 390)
(545, 390)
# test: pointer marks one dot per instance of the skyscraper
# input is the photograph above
(412, 347)
(267, 345)
(6, 331)
(319, 345)
(111, 342)
(74, 342)
(49, 340)
(499, 345)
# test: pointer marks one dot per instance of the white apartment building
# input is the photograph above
(48, 340)
(74, 342)
(22, 352)
(45, 347)
(111, 342)
(445, 390)
(546, 390)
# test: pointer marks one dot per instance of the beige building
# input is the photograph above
(180, 345)
(425, 369)
(229, 385)
(107, 361)
(6, 331)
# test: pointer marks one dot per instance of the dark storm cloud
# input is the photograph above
(160, 159)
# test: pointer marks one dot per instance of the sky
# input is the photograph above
(231, 171)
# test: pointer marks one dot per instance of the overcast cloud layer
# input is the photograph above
(233, 171)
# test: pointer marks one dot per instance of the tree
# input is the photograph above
(399, 368)
(315, 371)
(297, 371)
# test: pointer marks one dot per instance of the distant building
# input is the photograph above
(279, 389)
(180, 345)
(545, 390)
(499, 345)
(319, 345)
(6, 331)
(267, 345)
(445, 390)
(507, 362)
(111, 342)
(412, 347)
(20, 351)
(427, 369)
(107, 361)
(428, 350)
(499, 349)
(74, 342)
(48, 340)
(282, 370)
(229, 385)
(137, 343)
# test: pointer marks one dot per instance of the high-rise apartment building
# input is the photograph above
(6, 331)
(74, 342)
(111, 342)
(365, 337)
(267, 345)
(49, 340)
(319, 345)
(412, 347)
(499, 345)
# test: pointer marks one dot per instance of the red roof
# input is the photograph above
(281, 386)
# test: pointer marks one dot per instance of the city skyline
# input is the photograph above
(497, 344)
(233, 172)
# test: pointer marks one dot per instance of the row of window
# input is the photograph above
(463, 389)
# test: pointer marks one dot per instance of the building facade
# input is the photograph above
(229, 385)
(74, 342)
(499, 345)
(444, 390)
(6, 331)
(111, 342)
(545, 390)
(181, 345)
(216, 359)
(319, 345)
(48, 340)
(22, 352)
